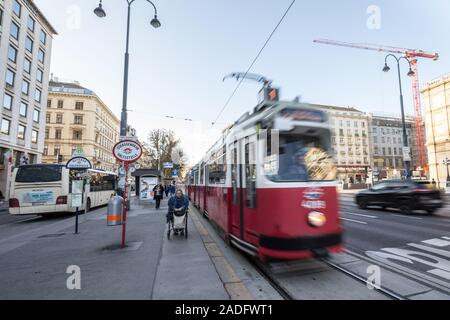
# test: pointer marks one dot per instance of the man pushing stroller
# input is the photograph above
(177, 215)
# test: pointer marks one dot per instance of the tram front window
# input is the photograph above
(299, 158)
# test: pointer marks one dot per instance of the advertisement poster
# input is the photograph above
(146, 187)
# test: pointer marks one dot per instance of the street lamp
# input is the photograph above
(446, 162)
(410, 73)
(100, 12)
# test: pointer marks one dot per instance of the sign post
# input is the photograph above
(126, 151)
(79, 164)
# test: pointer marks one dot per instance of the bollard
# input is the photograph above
(115, 211)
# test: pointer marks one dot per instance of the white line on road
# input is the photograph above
(351, 220)
(361, 215)
(415, 218)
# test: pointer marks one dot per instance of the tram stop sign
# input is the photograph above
(78, 163)
(127, 151)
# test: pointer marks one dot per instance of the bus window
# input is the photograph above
(38, 173)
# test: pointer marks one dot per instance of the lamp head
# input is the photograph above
(155, 22)
(99, 11)
(386, 68)
(411, 73)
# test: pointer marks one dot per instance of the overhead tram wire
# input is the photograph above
(252, 64)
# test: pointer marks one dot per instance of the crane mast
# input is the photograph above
(412, 55)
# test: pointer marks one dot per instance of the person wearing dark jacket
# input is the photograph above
(158, 194)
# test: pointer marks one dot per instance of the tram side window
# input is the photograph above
(202, 174)
(234, 176)
(217, 169)
(250, 174)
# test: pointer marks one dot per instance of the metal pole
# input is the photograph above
(124, 118)
(76, 221)
(405, 136)
(125, 195)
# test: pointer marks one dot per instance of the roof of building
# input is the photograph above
(347, 109)
(71, 85)
(39, 13)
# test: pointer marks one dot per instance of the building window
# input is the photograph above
(57, 150)
(60, 104)
(58, 134)
(45, 150)
(34, 136)
(12, 54)
(25, 87)
(29, 44)
(78, 119)
(49, 103)
(47, 118)
(7, 101)
(36, 115)
(10, 77)
(43, 37)
(41, 56)
(77, 135)
(21, 129)
(39, 75)
(17, 8)
(27, 66)
(14, 31)
(1, 23)
(79, 105)
(59, 118)
(47, 133)
(23, 109)
(30, 24)
(6, 124)
(37, 95)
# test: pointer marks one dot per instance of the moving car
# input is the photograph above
(404, 195)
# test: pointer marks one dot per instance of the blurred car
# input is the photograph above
(406, 195)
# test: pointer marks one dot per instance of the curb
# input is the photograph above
(231, 281)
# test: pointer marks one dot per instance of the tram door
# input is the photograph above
(237, 192)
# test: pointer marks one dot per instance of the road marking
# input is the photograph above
(408, 217)
(437, 242)
(361, 215)
(351, 220)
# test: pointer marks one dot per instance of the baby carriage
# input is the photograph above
(177, 222)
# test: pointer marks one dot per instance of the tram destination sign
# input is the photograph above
(78, 163)
(295, 114)
(127, 151)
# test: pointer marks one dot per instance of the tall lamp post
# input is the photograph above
(407, 158)
(155, 23)
(100, 12)
(446, 162)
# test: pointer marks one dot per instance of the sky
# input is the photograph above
(178, 69)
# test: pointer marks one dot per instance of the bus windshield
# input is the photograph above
(39, 173)
(300, 158)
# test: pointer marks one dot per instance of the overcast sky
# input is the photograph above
(177, 70)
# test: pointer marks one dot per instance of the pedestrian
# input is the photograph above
(158, 194)
(172, 190)
(433, 183)
(167, 190)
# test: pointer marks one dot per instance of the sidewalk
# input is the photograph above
(33, 264)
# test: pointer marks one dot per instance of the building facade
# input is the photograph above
(436, 98)
(77, 117)
(387, 145)
(350, 143)
(25, 53)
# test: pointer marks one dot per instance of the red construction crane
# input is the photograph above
(412, 55)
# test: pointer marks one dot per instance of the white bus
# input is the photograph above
(44, 189)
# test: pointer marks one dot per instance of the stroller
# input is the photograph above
(177, 223)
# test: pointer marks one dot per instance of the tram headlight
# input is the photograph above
(316, 219)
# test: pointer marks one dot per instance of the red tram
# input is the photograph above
(269, 183)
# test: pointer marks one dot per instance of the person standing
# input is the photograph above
(172, 190)
(158, 194)
(167, 190)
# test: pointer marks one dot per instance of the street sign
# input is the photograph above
(127, 151)
(167, 165)
(174, 173)
(78, 163)
(77, 200)
(406, 154)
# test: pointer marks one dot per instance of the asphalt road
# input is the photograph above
(416, 245)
